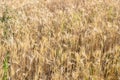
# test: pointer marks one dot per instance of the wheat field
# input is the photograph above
(59, 39)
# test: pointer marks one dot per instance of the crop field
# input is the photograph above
(59, 39)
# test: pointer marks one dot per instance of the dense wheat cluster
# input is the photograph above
(59, 39)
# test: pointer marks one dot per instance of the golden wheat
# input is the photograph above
(60, 40)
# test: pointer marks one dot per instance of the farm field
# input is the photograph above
(59, 39)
